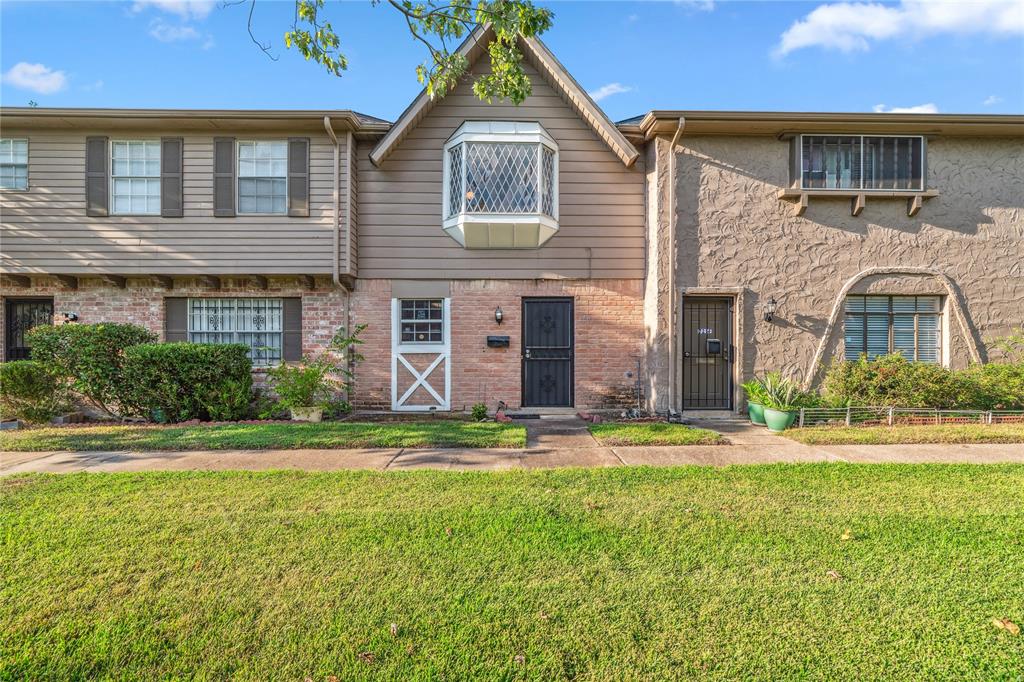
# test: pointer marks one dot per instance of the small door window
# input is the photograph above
(422, 320)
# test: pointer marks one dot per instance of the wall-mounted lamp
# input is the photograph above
(498, 315)
(71, 317)
(769, 309)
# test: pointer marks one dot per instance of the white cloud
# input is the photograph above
(852, 26)
(699, 5)
(929, 108)
(608, 90)
(90, 87)
(992, 99)
(186, 9)
(168, 33)
(36, 77)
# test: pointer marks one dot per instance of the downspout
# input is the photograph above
(673, 258)
(335, 261)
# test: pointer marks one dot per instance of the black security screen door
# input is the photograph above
(707, 353)
(21, 315)
(547, 352)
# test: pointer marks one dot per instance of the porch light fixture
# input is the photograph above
(769, 309)
(498, 315)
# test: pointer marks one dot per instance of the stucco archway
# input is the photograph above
(837, 308)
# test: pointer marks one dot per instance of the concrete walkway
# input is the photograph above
(550, 444)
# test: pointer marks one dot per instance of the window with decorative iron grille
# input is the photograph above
(422, 320)
(254, 322)
(501, 185)
(880, 325)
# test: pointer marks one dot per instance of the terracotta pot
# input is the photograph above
(307, 414)
(756, 413)
(779, 420)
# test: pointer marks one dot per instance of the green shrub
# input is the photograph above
(479, 412)
(29, 392)
(892, 380)
(310, 384)
(176, 382)
(997, 386)
(89, 359)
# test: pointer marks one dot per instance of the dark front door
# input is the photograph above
(547, 352)
(21, 314)
(707, 353)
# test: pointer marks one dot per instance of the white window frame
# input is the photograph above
(861, 188)
(111, 177)
(442, 358)
(14, 164)
(512, 132)
(238, 175)
(235, 332)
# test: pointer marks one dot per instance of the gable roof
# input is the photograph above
(540, 57)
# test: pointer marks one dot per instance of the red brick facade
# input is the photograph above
(608, 329)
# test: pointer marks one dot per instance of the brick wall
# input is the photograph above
(608, 316)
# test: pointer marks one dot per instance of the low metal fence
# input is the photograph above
(897, 416)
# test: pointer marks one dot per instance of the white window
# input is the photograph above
(255, 322)
(263, 176)
(13, 163)
(879, 325)
(135, 177)
(886, 162)
(422, 320)
(501, 185)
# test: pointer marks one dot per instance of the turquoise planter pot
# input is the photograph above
(778, 420)
(756, 413)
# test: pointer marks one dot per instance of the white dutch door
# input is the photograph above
(420, 354)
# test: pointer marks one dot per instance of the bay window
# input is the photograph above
(880, 325)
(500, 185)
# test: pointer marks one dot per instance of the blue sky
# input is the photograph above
(696, 54)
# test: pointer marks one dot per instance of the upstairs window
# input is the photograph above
(13, 163)
(501, 185)
(860, 162)
(135, 177)
(880, 325)
(263, 177)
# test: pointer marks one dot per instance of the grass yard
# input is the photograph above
(888, 435)
(653, 433)
(823, 571)
(440, 433)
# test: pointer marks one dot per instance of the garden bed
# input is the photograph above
(653, 433)
(268, 435)
(892, 435)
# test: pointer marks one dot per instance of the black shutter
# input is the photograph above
(97, 196)
(223, 177)
(298, 177)
(175, 319)
(292, 319)
(171, 200)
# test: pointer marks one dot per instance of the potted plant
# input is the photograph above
(304, 389)
(782, 400)
(755, 400)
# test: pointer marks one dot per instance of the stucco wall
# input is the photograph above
(733, 231)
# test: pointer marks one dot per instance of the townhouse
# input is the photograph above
(538, 254)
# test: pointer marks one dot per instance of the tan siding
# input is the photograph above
(601, 201)
(45, 229)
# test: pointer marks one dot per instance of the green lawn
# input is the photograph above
(885, 435)
(653, 433)
(823, 571)
(440, 433)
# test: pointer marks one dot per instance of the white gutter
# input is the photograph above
(673, 258)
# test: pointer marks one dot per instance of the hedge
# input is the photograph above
(176, 382)
(29, 392)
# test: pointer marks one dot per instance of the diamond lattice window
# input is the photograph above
(501, 185)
